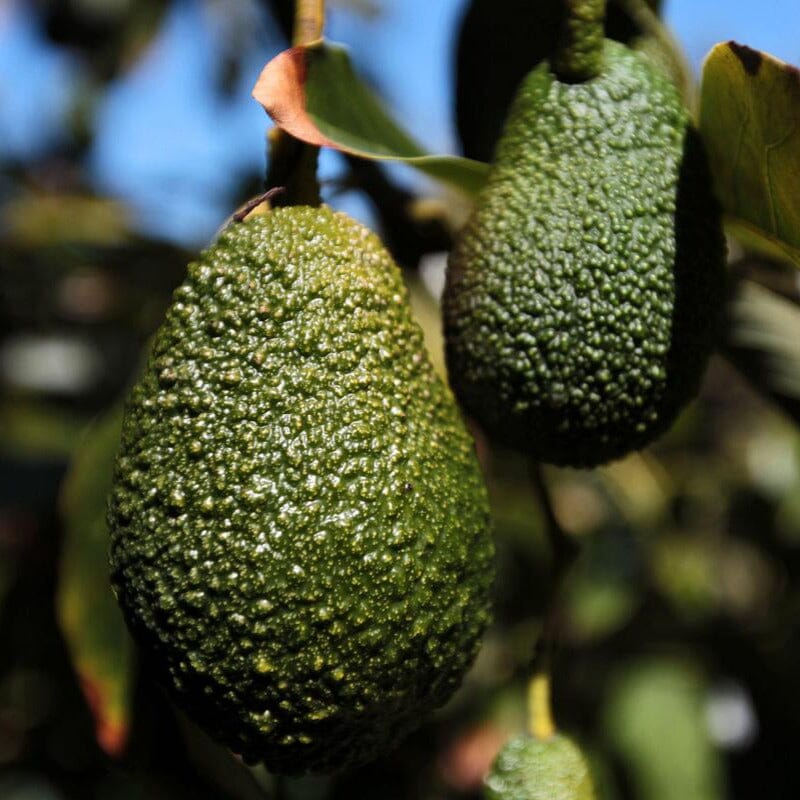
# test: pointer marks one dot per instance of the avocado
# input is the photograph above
(583, 296)
(299, 527)
(540, 769)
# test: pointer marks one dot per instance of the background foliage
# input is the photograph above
(679, 629)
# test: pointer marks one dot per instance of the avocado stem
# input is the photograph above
(563, 546)
(292, 163)
(564, 552)
(540, 715)
(579, 54)
(309, 19)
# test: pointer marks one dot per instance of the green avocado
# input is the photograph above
(583, 297)
(540, 769)
(299, 527)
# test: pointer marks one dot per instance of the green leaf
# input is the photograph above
(314, 94)
(100, 647)
(30, 428)
(686, 568)
(762, 341)
(655, 721)
(39, 219)
(749, 119)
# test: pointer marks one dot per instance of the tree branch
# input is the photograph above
(309, 20)
(564, 551)
(292, 163)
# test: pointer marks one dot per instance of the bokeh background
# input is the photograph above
(127, 136)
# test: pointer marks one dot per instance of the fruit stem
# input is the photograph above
(565, 550)
(540, 715)
(292, 163)
(579, 55)
(563, 546)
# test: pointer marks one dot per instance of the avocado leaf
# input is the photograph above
(313, 93)
(749, 118)
(655, 721)
(100, 647)
(762, 340)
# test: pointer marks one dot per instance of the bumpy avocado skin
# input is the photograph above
(534, 769)
(299, 527)
(583, 297)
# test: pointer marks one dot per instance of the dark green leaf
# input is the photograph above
(34, 429)
(101, 649)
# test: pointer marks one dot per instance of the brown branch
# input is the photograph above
(292, 163)
(309, 20)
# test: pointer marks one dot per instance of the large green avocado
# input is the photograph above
(299, 528)
(540, 769)
(583, 297)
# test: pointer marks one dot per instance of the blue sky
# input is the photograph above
(172, 148)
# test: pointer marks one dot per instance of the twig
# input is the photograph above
(309, 19)
(565, 550)
(563, 546)
(292, 163)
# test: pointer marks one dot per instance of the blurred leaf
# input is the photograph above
(313, 93)
(640, 485)
(755, 241)
(763, 341)
(108, 35)
(39, 219)
(101, 649)
(655, 721)
(685, 569)
(35, 429)
(749, 119)
(598, 608)
(603, 590)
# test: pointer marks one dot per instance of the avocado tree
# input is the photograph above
(518, 523)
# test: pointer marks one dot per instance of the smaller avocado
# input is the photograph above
(540, 769)
(584, 296)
